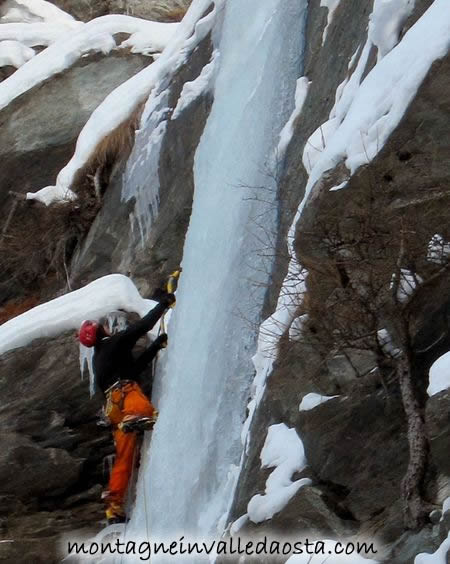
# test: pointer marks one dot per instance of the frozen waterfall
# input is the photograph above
(188, 476)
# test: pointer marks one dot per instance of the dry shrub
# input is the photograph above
(14, 308)
(39, 243)
(170, 10)
(116, 145)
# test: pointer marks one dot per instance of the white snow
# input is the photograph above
(297, 327)
(386, 22)
(270, 333)
(32, 11)
(317, 142)
(312, 400)
(112, 292)
(66, 48)
(41, 33)
(438, 250)
(86, 361)
(324, 550)
(439, 375)
(368, 114)
(238, 524)
(446, 506)
(339, 186)
(409, 281)
(387, 343)
(283, 450)
(438, 557)
(52, 194)
(286, 133)
(119, 104)
(331, 5)
(14, 53)
(152, 37)
(192, 90)
(347, 90)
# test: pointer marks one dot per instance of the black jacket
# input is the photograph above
(113, 358)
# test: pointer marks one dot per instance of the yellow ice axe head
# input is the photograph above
(172, 282)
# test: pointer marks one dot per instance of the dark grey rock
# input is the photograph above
(85, 10)
(28, 470)
(438, 425)
(435, 516)
(39, 129)
(47, 404)
(112, 245)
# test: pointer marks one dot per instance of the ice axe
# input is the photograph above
(171, 287)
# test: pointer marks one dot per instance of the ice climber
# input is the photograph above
(117, 374)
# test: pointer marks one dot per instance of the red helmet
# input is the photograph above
(88, 333)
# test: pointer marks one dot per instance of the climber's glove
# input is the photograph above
(161, 341)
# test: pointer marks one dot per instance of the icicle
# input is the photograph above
(116, 321)
(86, 356)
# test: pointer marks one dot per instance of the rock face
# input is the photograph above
(356, 445)
(48, 422)
(157, 10)
(112, 246)
(40, 128)
(52, 449)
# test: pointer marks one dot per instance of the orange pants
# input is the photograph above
(127, 400)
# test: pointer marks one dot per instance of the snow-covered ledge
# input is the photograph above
(97, 299)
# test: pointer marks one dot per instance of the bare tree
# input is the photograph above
(379, 264)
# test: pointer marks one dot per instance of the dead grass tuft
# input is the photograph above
(14, 308)
(37, 247)
(170, 10)
(116, 146)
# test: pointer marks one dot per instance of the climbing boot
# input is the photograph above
(115, 514)
(137, 423)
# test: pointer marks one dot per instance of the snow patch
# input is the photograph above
(367, 114)
(14, 53)
(408, 283)
(150, 39)
(438, 250)
(51, 195)
(38, 34)
(192, 90)
(317, 142)
(446, 506)
(339, 186)
(29, 11)
(112, 292)
(287, 132)
(297, 327)
(238, 524)
(331, 5)
(283, 450)
(438, 557)
(120, 103)
(439, 375)
(270, 333)
(312, 400)
(387, 343)
(66, 48)
(386, 23)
